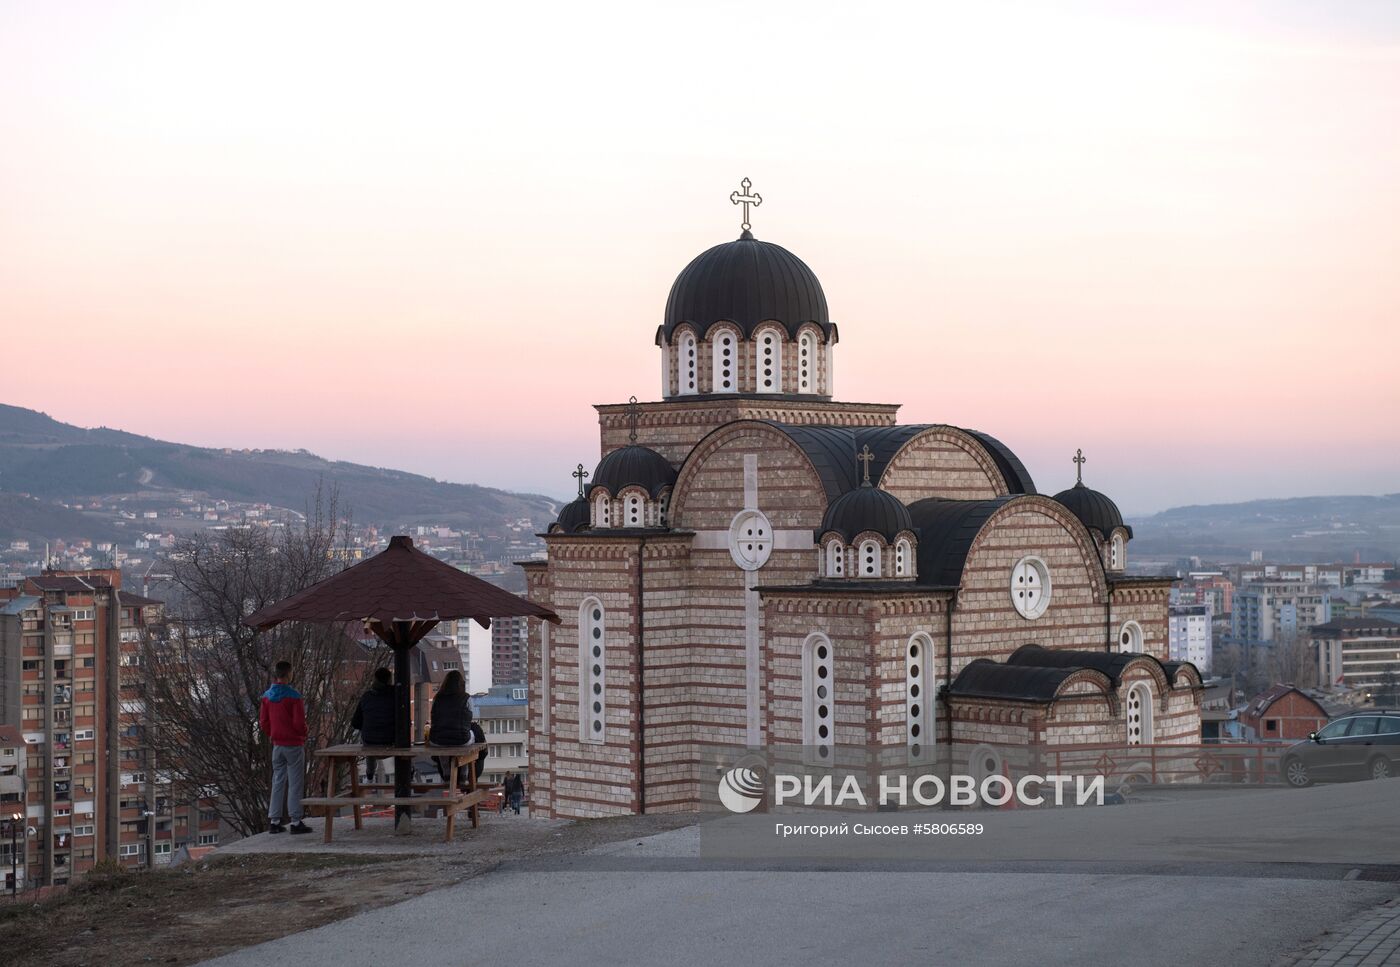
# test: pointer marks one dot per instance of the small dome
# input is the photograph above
(1095, 510)
(867, 508)
(573, 518)
(746, 282)
(634, 466)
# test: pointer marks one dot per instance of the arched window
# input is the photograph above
(807, 363)
(1130, 638)
(663, 509)
(818, 718)
(1138, 712)
(919, 698)
(1115, 553)
(835, 560)
(688, 365)
(869, 559)
(770, 361)
(632, 511)
(602, 511)
(902, 554)
(726, 363)
(592, 671)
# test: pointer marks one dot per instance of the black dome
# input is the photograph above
(573, 517)
(1095, 510)
(634, 465)
(746, 282)
(866, 508)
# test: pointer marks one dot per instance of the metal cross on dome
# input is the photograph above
(632, 410)
(1079, 461)
(746, 199)
(865, 457)
(582, 475)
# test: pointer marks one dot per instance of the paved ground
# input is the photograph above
(668, 899)
(1369, 940)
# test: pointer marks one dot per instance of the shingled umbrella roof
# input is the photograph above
(400, 583)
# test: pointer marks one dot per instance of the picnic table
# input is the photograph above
(448, 798)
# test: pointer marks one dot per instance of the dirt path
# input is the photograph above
(182, 916)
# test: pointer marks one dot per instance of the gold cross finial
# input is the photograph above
(632, 410)
(746, 199)
(1079, 461)
(865, 457)
(582, 475)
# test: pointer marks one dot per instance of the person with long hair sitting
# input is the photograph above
(451, 720)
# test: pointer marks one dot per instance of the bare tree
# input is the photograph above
(206, 671)
(1293, 659)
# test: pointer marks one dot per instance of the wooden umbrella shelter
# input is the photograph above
(399, 594)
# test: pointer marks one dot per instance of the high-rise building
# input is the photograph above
(1359, 653)
(509, 639)
(1269, 611)
(1188, 634)
(71, 682)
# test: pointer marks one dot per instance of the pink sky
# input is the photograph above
(431, 240)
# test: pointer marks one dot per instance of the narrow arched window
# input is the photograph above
(726, 363)
(919, 698)
(818, 693)
(602, 511)
(869, 559)
(770, 361)
(1115, 553)
(1130, 638)
(663, 510)
(835, 560)
(1138, 712)
(903, 553)
(632, 511)
(807, 363)
(592, 671)
(688, 365)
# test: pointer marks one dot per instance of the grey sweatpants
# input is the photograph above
(289, 780)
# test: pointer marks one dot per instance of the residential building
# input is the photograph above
(509, 638)
(13, 766)
(1357, 653)
(1282, 713)
(1269, 611)
(71, 682)
(504, 715)
(1188, 634)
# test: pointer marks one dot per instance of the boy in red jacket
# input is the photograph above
(282, 717)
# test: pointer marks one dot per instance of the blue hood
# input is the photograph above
(279, 691)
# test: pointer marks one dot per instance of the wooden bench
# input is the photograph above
(450, 800)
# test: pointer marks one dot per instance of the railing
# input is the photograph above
(1205, 764)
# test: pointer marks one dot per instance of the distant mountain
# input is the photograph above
(1296, 528)
(52, 461)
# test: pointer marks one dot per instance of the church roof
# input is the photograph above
(1095, 510)
(867, 508)
(1110, 663)
(984, 678)
(746, 282)
(634, 465)
(574, 516)
(947, 529)
(1018, 478)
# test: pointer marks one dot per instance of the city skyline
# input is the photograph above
(261, 243)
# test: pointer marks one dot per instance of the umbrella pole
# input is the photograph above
(403, 726)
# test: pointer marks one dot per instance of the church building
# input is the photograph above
(753, 563)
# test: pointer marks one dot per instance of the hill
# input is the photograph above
(1296, 529)
(53, 461)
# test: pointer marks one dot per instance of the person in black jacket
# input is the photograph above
(451, 717)
(374, 717)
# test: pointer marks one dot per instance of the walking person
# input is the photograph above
(282, 717)
(517, 791)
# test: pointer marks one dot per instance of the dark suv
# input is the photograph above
(1364, 744)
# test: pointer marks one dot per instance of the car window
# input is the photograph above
(1390, 725)
(1334, 730)
(1363, 725)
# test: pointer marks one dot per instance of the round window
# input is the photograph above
(1030, 587)
(750, 539)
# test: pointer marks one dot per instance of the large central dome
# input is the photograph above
(746, 282)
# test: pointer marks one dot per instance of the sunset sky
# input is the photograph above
(430, 237)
